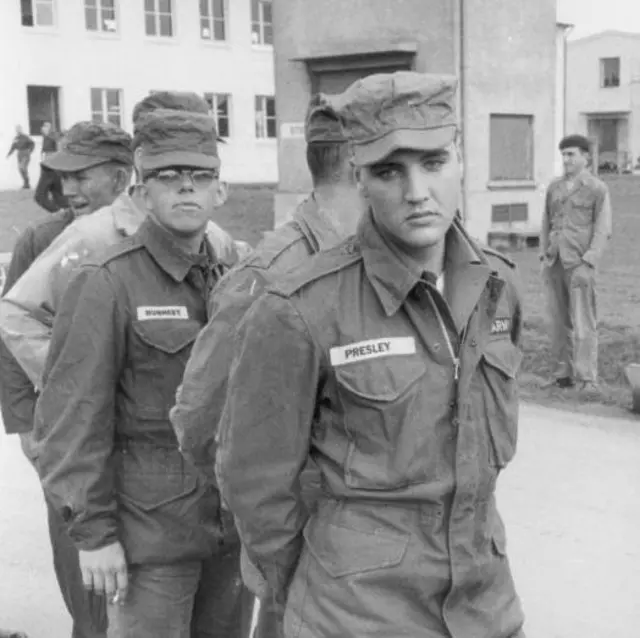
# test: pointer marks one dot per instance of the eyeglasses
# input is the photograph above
(200, 178)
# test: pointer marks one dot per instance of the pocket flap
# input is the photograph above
(344, 551)
(168, 336)
(504, 356)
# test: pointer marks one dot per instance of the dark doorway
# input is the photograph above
(44, 106)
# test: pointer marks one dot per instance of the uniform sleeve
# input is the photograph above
(546, 223)
(17, 394)
(201, 396)
(28, 309)
(264, 435)
(75, 414)
(602, 228)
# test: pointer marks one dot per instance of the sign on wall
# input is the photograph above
(292, 130)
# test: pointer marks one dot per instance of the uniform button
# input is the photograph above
(474, 343)
(436, 347)
(455, 422)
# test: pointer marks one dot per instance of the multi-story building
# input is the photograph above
(603, 95)
(504, 53)
(69, 60)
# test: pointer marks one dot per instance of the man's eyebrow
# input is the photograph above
(438, 153)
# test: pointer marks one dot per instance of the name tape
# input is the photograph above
(500, 326)
(162, 312)
(372, 349)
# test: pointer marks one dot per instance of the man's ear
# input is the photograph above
(143, 192)
(221, 194)
(137, 154)
(122, 179)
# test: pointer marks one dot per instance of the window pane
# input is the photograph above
(271, 106)
(205, 29)
(44, 15)
(218, 8)
(150, 24)
(223, 105)
(109, 5)
(96, 117)
(165, 25)
(114, 118)
(26, 9)
(164, 6)
(149, 6)
(90, 3)
(268, 34)
(511, 154)
(258, 103)
(271, 128)
(91, 19)
(208, 97)
(255, 33)
(255, 10)
(109, 24)
(218, 30)
(223, 127)
(204, 7)
(267, 12)
(113, 100)
(96, 100)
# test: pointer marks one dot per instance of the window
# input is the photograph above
(44, 106)
(37, 13)
(158, 18)
(509, 213)
(265, 116)
(220, 105)
(106, 106)
(212, 20)
(100, 15)
(609, 72)
(261, 22)
(511, 147)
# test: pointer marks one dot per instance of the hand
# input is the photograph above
(581, 275)
(104, 571)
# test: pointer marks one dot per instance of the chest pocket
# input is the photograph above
(499, 367)
(582, 209)
(160, 349)
(381, 404)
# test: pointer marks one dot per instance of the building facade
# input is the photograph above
(70, 60)
(507, 92)
(603, 95)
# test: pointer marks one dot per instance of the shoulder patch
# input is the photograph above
(322, 265)
(496, 253)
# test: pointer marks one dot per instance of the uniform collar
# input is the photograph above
(128, 212)
(316, 224)
(171, 258)
(393, 277)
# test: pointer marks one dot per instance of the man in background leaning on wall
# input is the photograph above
(94, 176)
(576, 226)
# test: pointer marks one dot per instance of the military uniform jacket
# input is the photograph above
(108, 458)
(200, 398)
(576, 223)
(27, 311)
(348, 362)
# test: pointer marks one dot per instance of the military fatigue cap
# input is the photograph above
(385, 112)
(322, 122)
(88, 144)
(176, 138)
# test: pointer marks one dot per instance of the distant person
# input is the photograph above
(24, 146)
(576, 226)
(49, 193)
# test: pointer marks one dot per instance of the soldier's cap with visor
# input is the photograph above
(167, 137)
(385, 112)
(322, 123)
(174, 100)
(575, 141)
(88, 144)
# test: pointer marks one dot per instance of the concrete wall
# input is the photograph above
(510, 67)
(75, 59)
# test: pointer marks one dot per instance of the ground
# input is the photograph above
(570, 502)
(249, 212)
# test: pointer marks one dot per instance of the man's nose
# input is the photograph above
(418, 185)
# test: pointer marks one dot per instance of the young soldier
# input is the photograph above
(575, 229)
(151, 534)
(23, 145)
(27, 312)
(100, 174)
(327, 216)
(390, 360)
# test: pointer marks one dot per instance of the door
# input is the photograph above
(44, 106)
(336, 81)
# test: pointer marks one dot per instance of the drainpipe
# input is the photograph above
(460, 65)
(565, 35)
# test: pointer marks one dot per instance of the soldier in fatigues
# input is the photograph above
(329, 215)
(576, 226)
(151, 533)
(390, 360)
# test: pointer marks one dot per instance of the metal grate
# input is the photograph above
(509, 213)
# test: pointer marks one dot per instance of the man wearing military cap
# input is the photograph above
(151, 534)
(97, 167)
(329, 215)
(390, 361)
(576, 226)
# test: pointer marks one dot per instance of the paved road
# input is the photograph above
(571, 502)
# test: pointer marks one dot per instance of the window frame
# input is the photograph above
(157, 14)
(34, 13)
(262, 118)
(212, 20)
(212, 98)
(100, 20)
(494, 178)
(104, 112)
(261, 23)
(603, 73)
